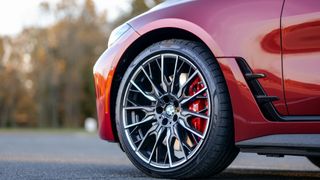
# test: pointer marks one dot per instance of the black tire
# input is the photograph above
(315, 160)
(218, 149)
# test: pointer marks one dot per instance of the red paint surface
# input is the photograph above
(299, 38)
(249, 122)
(301, 56)
(271, 42)
(103, 73)
(228, 28)
(234, 29)
(302, 38)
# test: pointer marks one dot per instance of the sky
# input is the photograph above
(16, 14)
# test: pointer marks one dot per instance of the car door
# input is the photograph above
(301, 56)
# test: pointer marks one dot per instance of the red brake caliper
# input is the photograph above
(198, 105)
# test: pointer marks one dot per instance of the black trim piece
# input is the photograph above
(285, 140)
(264, 101)
(283, 144)
(276, 151)
(250, 76)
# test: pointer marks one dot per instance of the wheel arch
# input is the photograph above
(138, 46)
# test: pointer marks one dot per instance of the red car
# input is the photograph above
(185, 86)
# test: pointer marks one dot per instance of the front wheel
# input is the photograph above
(173, 112)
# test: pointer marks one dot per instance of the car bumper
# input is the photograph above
(103, 71)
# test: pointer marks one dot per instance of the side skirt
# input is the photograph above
(283, 144)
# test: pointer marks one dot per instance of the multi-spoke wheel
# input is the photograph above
(173, 112)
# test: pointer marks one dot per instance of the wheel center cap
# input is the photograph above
(170, 110)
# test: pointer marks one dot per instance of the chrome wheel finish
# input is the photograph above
(157, 112)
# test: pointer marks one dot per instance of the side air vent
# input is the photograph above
(265, 101)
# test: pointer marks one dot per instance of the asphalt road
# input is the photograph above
(80, 155)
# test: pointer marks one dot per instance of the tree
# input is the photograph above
(46, 72)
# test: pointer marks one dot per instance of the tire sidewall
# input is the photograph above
(206, 147)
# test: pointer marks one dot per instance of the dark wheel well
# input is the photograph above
(138, 46)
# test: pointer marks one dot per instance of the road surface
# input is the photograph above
(80, 155)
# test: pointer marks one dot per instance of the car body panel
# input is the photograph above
(231, 30)
(301, 56)
(103, 75)
(249, 121)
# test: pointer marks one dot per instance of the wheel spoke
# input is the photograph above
(194, 138)
(133, 90)
(186, 83)
(134, 129)
(164, 87)
(132, 102)
(150, 131)
(189, 98)
(174, 73)
(168, 142)
(190, 113)
(158, 93)
(158, 64)
(189, 71)
(159, 133)
(176, 134)
(144, 108)
(203, 110)
(151, 98)
(187, 127)
(187, 147)
(149, 68)
(180, 66)
(165, 158)
(148, 118)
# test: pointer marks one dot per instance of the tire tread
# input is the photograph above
(222, 149)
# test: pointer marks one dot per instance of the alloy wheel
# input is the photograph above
(166, 110)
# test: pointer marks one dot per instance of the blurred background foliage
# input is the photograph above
(46, 72)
